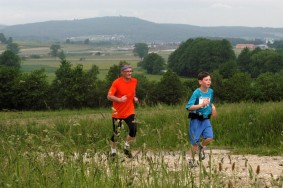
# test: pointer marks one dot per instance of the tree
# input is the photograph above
(61, 54)
(153, 63)
(237, 88)
(143, 88)
(94, 92)
(141, 50)
(228, 69)
(196, 55)
(268, 87)
(31, 91)
(60, 87)
(266, 61)
(244, 60)
(8, 80)
(74, 87)
(10, 59)
(68, 41)
(218, 85)
(10, 40)
(86, 41)
(170, 89)
(114, 73)
(54, 49)
(13, 47)
(3, 38)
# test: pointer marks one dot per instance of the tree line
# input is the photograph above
(255, 75)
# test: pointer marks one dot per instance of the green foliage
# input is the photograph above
(66, 88)
(8, 80)
(260, 61)
(143, 88)
(54, 50)
(218, 86)
(10, 59)
(244, 60)
(196, 55)
(266, 61)
(170, 89)
(113, 73)
(76, 88)
(278, 44)
(13, 47)
(31, 90)
(141, 50)
(86, 41)
(228, 69)
(237, 88)
(85, 86)
(3, 38)
(61, 54)
(153, 63)
(268, 87)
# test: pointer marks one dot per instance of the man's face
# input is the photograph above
(205, 82)
(127, 73)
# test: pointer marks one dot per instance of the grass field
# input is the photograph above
(70, 148)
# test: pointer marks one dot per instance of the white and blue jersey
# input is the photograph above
(197, 98)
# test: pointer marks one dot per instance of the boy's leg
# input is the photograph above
(194, 133)
(207, 135)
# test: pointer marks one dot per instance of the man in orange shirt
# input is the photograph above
(123, 95)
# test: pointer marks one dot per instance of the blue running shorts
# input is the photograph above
(199, 128)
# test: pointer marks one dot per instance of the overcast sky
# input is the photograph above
(252, 13)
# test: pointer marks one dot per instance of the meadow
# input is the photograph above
(70, 148)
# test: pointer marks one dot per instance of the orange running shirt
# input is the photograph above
(119, 88)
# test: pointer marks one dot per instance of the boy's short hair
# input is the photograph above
(203, 74)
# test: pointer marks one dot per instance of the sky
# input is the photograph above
(251, 13)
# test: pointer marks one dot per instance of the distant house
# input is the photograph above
(242, 46)
(262, 46)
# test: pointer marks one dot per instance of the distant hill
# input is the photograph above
(2, 26)
(130, 29)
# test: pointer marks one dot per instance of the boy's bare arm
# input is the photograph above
(197, 106)
(213, 111)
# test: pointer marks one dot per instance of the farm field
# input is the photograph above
(84, 55)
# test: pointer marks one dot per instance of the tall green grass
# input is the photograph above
(70, 148)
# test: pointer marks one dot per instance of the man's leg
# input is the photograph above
(131, 136)
(116, 123)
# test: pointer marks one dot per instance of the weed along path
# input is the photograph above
(237, 170)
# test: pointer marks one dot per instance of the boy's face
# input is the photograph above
(205, 82)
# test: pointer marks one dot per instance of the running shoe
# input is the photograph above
(128, 153)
